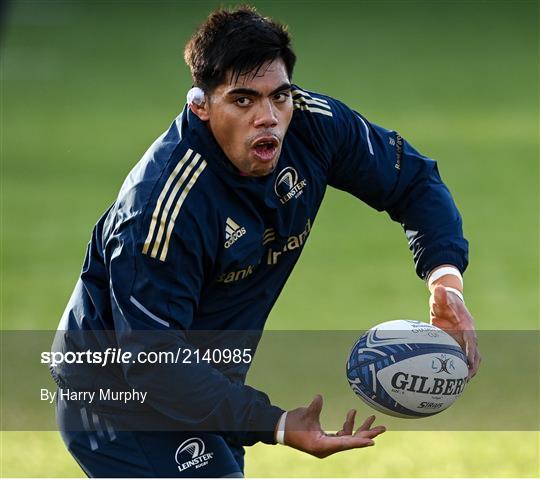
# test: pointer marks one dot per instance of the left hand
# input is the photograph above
(303, 431)
(449, 313)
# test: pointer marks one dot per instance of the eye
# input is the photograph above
(243, 102)
(281, 97)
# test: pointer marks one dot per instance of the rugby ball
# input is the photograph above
(407, 368)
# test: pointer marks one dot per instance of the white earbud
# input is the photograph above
(195, 96)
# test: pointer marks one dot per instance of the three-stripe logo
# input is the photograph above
(304, 101)
(233, 232)
(169, 203)
(269, 235)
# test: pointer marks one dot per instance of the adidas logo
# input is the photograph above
(233, 232)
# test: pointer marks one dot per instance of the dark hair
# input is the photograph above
(236, 42)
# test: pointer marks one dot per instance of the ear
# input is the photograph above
(201, 111)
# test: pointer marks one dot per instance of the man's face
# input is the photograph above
(249, 118)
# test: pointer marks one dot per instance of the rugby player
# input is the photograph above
(204, 233)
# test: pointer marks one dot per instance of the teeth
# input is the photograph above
(265, 144)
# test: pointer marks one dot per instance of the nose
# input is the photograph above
(265, 115)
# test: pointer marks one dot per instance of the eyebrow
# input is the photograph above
(256, 93)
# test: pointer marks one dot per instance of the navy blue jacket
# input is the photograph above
(190, 244)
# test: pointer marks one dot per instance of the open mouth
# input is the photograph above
(265, 148)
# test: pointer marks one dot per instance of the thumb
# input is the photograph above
(440, 296)
(315, 407)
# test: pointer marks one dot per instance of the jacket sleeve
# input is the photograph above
(382, 169)
(159, 295)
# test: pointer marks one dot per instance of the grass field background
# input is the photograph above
(87, 86)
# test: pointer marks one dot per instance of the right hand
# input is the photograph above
(303, 431)
(448, 312)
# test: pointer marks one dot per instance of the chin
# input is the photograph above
(261, 169)
(262, 173)
(264, 170)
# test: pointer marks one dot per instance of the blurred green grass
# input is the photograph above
(396, 454)
(87, 86)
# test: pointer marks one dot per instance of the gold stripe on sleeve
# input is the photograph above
(162, 196)
(312, 109)
(179, 203)
(168, 205)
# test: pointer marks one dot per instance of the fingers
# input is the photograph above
(366, 431)
(473, 368)
(348, 425)
(469, 340)
(471, 351)
(367, 423)
(374, 432)
(361, 439)
(476, 363)
(470, 346)
(321, 445)
(315, 407)
(448, 312)
(349, 442)
(328, 445)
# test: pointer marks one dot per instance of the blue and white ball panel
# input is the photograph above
(407, 368)
(406, 331)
